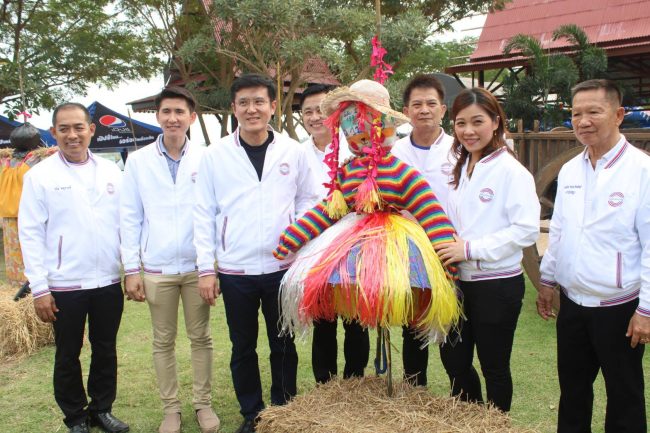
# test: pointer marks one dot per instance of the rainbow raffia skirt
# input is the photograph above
(378, 269)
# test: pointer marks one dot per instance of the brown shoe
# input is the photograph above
(208, 420)
(171, 423)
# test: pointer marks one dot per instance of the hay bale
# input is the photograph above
(362, 406)
(21, 331)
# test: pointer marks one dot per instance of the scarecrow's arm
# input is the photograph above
(419, 200)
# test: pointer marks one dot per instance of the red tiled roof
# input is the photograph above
(606, 22)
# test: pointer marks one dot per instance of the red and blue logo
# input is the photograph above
(112, 121)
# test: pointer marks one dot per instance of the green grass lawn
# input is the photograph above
(27, 403)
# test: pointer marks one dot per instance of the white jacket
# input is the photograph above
(238, 219)
(156, 213)
(70, 240)
(317, 161)
(601, 257)
(496, 212)
(439, 166)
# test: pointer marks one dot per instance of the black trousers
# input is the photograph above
(492, 309)
(242, 296)
(356, 349)
(103, 309)
(590, 339)
(414, 357)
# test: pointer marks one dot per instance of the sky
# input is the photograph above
(127, 91)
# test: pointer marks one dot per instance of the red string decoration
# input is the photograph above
(377, 59)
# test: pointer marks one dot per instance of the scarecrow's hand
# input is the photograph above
(281, 252)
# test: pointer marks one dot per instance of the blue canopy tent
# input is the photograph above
(117, 132)
(7, 126)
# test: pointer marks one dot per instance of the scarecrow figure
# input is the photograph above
(360, 256)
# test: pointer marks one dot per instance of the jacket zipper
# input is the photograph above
(58, 266)
(619, 270)
(223, 233)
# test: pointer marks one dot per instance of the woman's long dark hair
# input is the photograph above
(487, 102)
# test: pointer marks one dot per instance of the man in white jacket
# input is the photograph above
(356, 345)
(599, 255)
(69, 232)
(157, 238)
(428, 149)
(251, 185)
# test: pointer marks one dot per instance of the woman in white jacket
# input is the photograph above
(495, 210)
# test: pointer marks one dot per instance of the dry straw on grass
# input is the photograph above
(21, 332)
(363, 406)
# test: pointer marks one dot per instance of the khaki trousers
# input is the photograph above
(163, 293)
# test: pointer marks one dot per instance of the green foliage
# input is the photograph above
(62, 46)
(544, 92)
(590, 60)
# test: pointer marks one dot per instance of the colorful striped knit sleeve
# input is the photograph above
(421, 202)
(310, 225)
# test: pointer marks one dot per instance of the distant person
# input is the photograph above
(428, 149)
(494, 207)
(599, 255)
(157, 237)
(356, 345)
(251, 184)
(24, 153)
(69, 232)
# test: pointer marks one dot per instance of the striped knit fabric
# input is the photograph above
(401, 187)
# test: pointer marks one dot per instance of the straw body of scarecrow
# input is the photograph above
(358, 256)
(24, 153)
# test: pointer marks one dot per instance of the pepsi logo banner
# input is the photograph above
(117, 131)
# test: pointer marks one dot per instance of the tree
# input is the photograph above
(542, 93)
(590, 59)
(53, 49)
(291, 32)
(169, 25)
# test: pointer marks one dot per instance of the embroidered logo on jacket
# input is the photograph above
(194, 177)
(615, 199)
(110, 188)
(284, 168)
(446, 168)
(486, 195)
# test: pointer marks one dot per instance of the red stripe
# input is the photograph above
(617, 156)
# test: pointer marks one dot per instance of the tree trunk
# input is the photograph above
(204, 130)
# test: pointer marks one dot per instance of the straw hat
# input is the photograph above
(368, 92)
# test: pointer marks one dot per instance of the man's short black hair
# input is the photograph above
(315, 89)
(248, 81)
(176, 92)
(612, 90)
(67, 106)
(423, 81)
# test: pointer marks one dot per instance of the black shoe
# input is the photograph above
(248, 426)
(80, 428)
(107, 422)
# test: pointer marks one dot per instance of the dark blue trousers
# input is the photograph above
(492, 309)
(415, 358)
(103, 309)
(242, 297)
(324, 350)
(592, 339)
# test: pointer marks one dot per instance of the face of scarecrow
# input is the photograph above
(358, 133)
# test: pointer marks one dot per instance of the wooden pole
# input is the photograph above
(378, 17)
